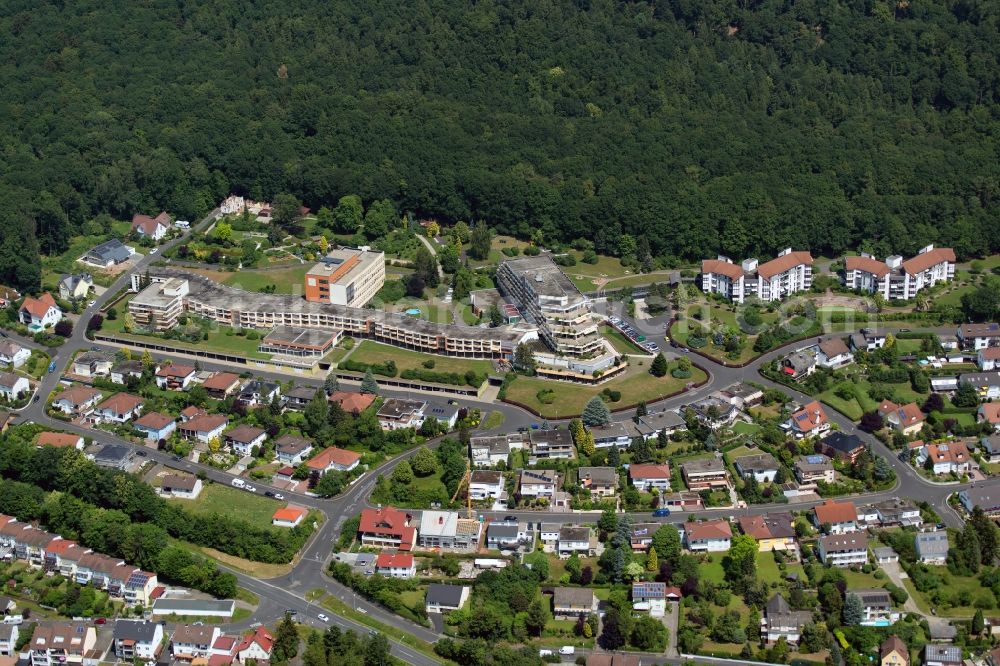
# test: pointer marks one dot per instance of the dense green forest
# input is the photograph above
(700, 125)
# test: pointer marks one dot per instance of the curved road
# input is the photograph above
(289, 592)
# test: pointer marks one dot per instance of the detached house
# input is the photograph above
(395, 565)
(39, 313)
(13, 387)
(989, 413)
(485, 485)
(811, 469)
(611, 434)
(650, 596)
(490, 451)
(772, 531)
(538, 483)
(551, 445)
(842, 517)
(60, 440)
(710, 536)
(876, 605)
(707, 474)
(988, 358)
(387, 528)
(137, 639)
(974, 337)
(810, 421)
(119, 408)
(155, 426)
(259, 392)
(290, 516)
(242, 439)
(76, 400)
(946, 457)
(762, 466)
(13, 354)
(93, 363)
(181, 486)
(932, 547)
(204, 427)
(893, 652)
(292, 450)
(257, 646)
(76, 286)
(151, 227)
(221, 385)
(396, 414)
(352, 403)
(174, 376)
(190, 642)
(576, 540)
(600, 481)
(122, 371)
(833, 353)
(780, 621)
(442, 598)
(907, 419)
(569, 603)
(647, 477)
(843, 550)
(333, 459)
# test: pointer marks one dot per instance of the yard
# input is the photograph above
(239, 504)
(285, 280)
(954, 587)
(369, 352)
(636, 385)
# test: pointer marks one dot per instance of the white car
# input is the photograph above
(91, 304)
(279, 496)
(361, 610)
(154, 250)
(323, 617)
(250, 489)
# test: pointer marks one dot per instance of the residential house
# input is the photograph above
(61, 643)
(109, 253)
(446, 530)
(907, 419)
(446, 415)
(119, 408)
(843, 550)
(647, 477)
(706, 474)
(492, 450)
(576, 540)
(485, 485)
(650, 596)
(898, 512)
(289, 516)
(292, 450)
(709, 536)
(13, 354)
(989, 447)
(9, 635)
(833, 353)
(989, 413)
(333, 459)
(974, 337)
(256, 646)
(13, 387)
(988, 358)
(611, 434)
(780, 621)
(154, 228)
(204, 427)
(259, 392)
(713, 411)
(193, 641)
(987, 384)
(811, 469)
(651, 425)
(181, 486)
(115, 456)
(642, 535)
(137, 640)
(569, 603)
(942, 655)
(174, 376)
(762, 466)
(221, 385)
(877, 607)
(946, 457)
(743, 396)
(840, 517)
(93, 364)
(352, 403)
(395, 565)
(810, 421)
(8, 296)
(799, 364)
(75, 287)
(155, 426)
(244, 438)
(772, 531)
(60, 440)
(551, 444)
(538, 483)
(39, 313)
(600, 481)
(299, 397)
(986, 499)
(504, 535)
(841, 446)
(893, 652)
(442, 598)
(122, 371)
(396, 413)
(867, 340)
(387, 527)
(932, 547)
(789, 273)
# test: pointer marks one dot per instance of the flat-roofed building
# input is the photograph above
(158, 306)
(706, 474)
(446, 530)
(300, 342)
(346, 277)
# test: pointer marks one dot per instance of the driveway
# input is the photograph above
(896, 575)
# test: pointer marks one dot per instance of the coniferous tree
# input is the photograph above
(368, 384)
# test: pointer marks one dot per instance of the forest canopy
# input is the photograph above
(740, 126)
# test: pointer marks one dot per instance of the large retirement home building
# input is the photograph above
(896, 279)
(788, 273)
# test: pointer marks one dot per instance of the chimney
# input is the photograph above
(440, 520)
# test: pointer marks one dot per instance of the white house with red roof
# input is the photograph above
(119, 408)
(174, 376)
(204, 427)
(842, 517)
(151, 227)
(39, 313)
(810, 421)
(946, 457)
(256, 646)
(396, 565)
(907, 419)
(988, 358)
(333, 459)
(647, 477)
(711, 536)
(387, 527)
(989, 413)
(290, 516)
(788, 273)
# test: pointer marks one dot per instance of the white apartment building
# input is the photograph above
(897, 279)
(346, 277)
(158, 306)
(788, 273)
(844, 550)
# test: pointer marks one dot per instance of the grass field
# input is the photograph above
(768, 572)
(374, 352)
(636, 385)
(621, 344)
(241, 505)
(285, 280)
(217, 339)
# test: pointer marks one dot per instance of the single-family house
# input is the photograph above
(93, 363)
(221, 385)
(985, 498)
(841, 446)
(352, 403)
(13, 387)
(137, 639)
(114, 456)
(174, 376)
(442, 598)
(191, 412)
(780, 621)
(397, 413)
(387, 527)
(119, 408)
(647, 477)
(395, 565)
(257, 646)
(75, 287)
(978, 336)
(484, 484)
(810, 421)
(843, 550)
(109, 253)
(8, 295)
(945, 457)
(907, 419)
(762, 466)
(713, 411)
(839, 517)
(710, 536)
(446, 415)
(833, 353)
(650, 596)
(651, 425)
(743, 395)
(123, 371)
(333, 459)
(193, 641)
(292, 450)
(706, 474)
(876, 606)
(242, 439)
(39, 313)
(289, 516)
(569, 603)
(642, 535)
(259, 392)
(893, 652)
(811, 469)
(988, 358)
(13, 354)
(799, 364)
(898, 512)
(181, 486)
(611, 434)
(538, 483)
(505, 535)
(600, 481)
(932, 547)
(576, 540)
(151, 227)
(155, 426)
(936, 654)
(204, 427)
(772, 531)
(989, 447)
(489, 451)
(867, 340)
(550, 445)
(298, 397)
(989, 413)
(684, 500)
(60, 440)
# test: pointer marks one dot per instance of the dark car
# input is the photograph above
(510, 519)
(661, 513)
(141, 454)
(268, 493)
(178, 459)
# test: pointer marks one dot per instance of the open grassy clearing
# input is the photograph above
(621, 344)
(217, 339)
(238, 504)
(285, 280)
(373, 352)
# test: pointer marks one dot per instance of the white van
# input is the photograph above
(544, 653)
(567, 650)
(239, 483)
(13, 619)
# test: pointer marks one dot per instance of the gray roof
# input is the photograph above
(945, 653)
(990, 444)
(932, 544)
(980, 378)
(574, 534)
(984, 498)
(883, 552)
(136, 630)
(112, 250)
(599, 475)
(572, 596)
(552, 437)
(502, 531)
(611, 430)
(444, 595)
(872, 596)
(758, 462)
(544, 277)
(183, 606)
(651, 423)
(703, 465)
(395, 408)
(112, 453)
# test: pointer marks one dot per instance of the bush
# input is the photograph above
(695, 342)
(677, 373)
(429, 364)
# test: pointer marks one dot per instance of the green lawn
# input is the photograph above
(216, 498)
(373, 352)
(711, 569)
(636, 385)
(217, 339)
(954, 585)
(621, 344)
(768, 572)
(745, 428)
(285, 280)
(859, 580)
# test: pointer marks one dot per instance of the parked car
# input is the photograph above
(279, 496)
(323, 617)
(661, 513)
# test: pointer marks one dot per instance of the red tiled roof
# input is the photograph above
(244, 433)
(388, 521)
(121, 403)
(175, 370)
(148, 224)
(836, 512)
(37, 307)
(909, 414)
(833, 347)
(154, 421)
(58, 439)
(731, 271)
(990, 412)
(204, 423)
(352, 402)
(289, 514)
(224, 642)
(708, 529)
(990, 353)
(955, 453)
(866, 264)
(809, 417)
(394, 561)
(221, 381)
(333, 455)
(191, 412)
(60, 546)
(261, 637)
(649, 471)
(782, 264)
(922, 262)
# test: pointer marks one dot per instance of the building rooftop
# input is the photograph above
(302, 338)
(445, 595)
(342, 265)
(396, 408)
(545, 277)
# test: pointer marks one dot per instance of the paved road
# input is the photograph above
(289, 591)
